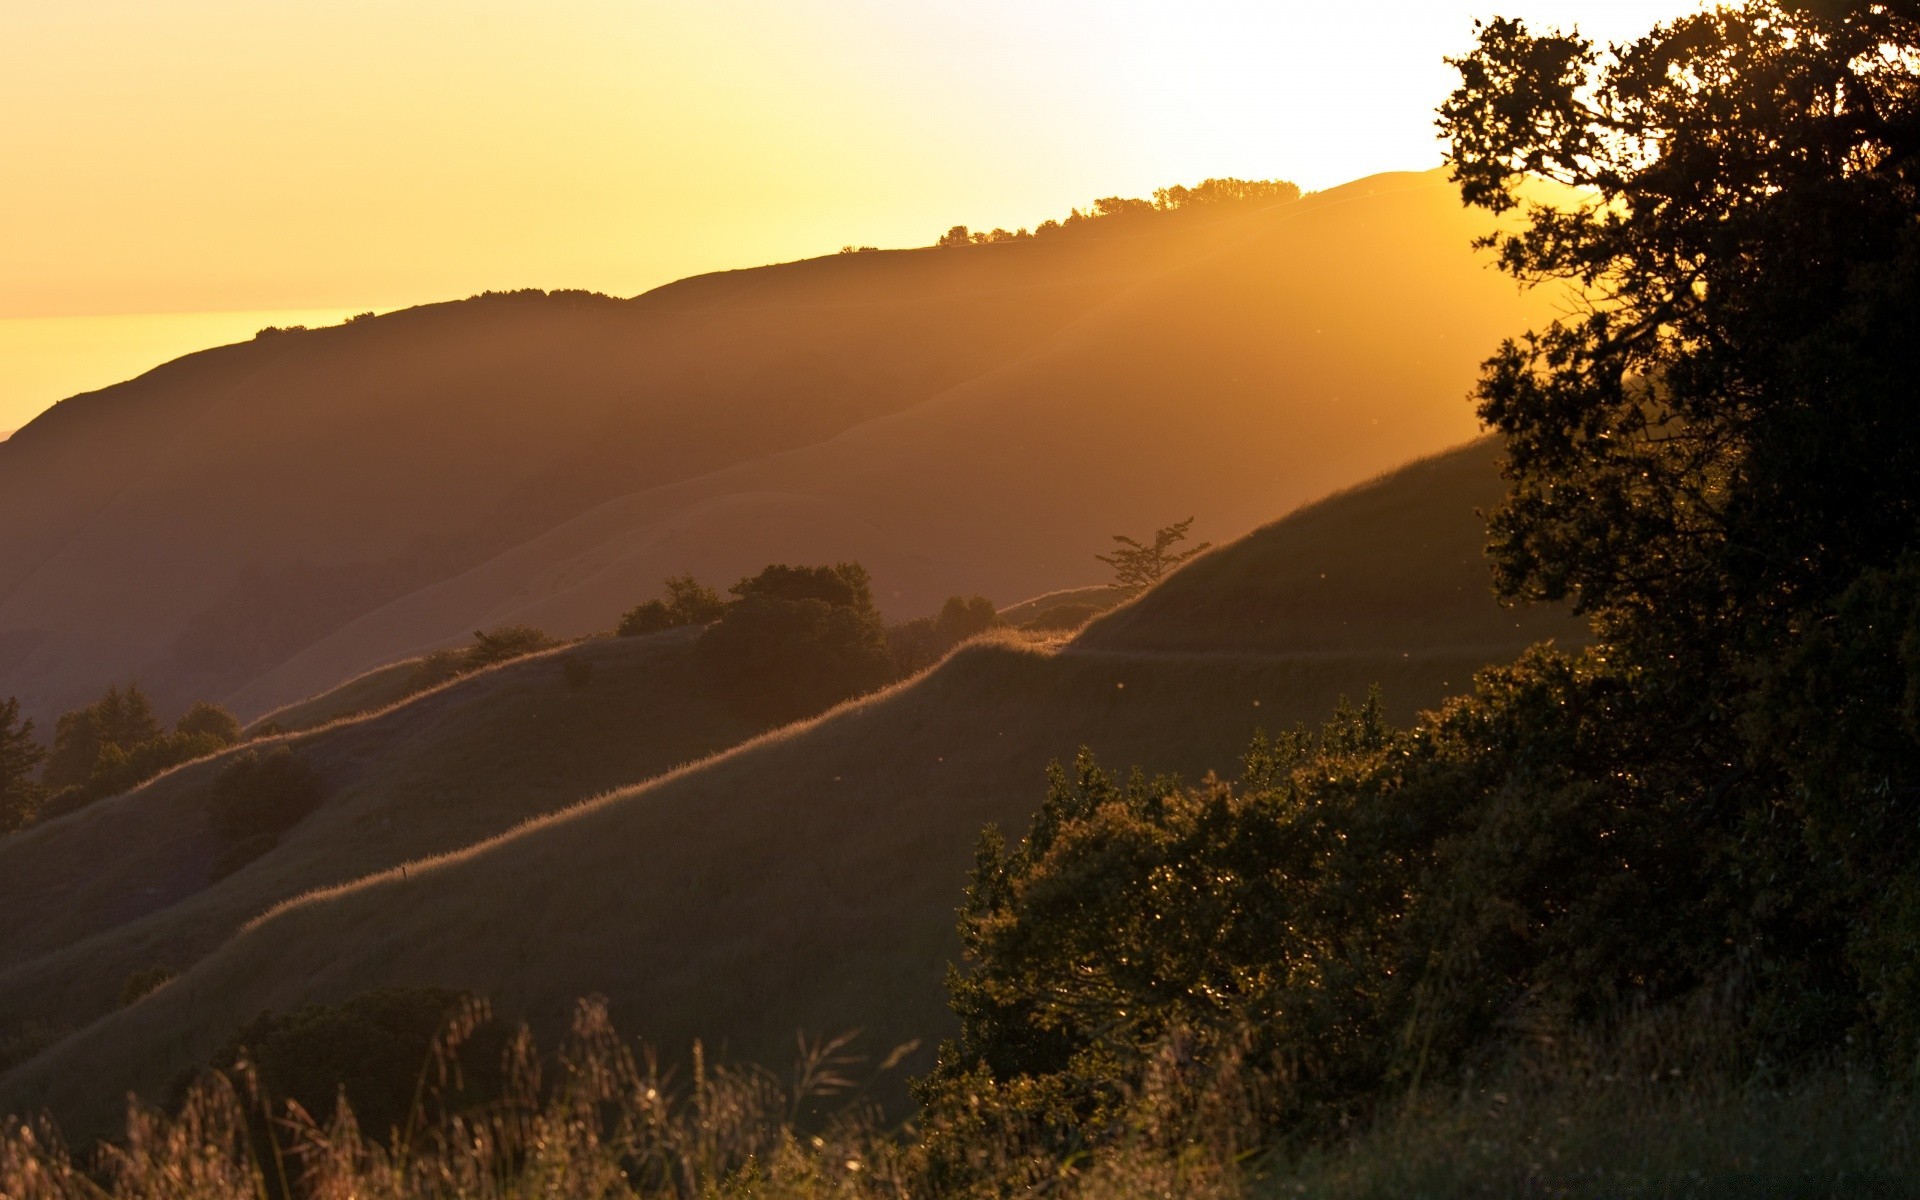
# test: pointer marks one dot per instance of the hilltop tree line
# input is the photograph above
(1210, 196)
(98, 750)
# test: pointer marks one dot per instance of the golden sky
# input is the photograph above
(234, 156)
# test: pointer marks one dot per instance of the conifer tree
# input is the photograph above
(20, 755)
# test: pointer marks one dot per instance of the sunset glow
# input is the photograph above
(216, 156)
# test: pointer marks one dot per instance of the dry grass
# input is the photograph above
(806, 879)
(1640, 1115)
(370, 691)
(126, 885)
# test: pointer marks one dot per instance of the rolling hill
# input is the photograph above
(807, 879)
(254, 523)
(133, 883)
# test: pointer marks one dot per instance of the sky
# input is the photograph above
(174, 173)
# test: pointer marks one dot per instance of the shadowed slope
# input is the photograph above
(196, 525)
(256, 523)
(1330, 341)
(1417, 578)
(808, 879)
(128, 883)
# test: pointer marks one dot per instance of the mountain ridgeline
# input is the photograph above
(252, 524)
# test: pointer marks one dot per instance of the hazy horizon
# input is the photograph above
(211, 159)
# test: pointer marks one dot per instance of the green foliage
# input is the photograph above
(798, 640)
(688, 602)
(115, 745)
(256, 798)
(119, 720)
(20, 757)
(923, 641)
(210, 720)
(1137, 566)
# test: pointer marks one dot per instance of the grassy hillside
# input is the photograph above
(130, 884)
(808, 879)
(254, 523)
(376, 689)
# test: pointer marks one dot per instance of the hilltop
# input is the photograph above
(807, 879)
(254, 523)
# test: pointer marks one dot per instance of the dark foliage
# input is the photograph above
(121, 720)
(923, 641)
(210, 720)
(256, 798)
(798, 640)
(1137, 566)
(1715, 460)
(1210, 197)
(393, 1054)
(507, 642)
(20, 757)
(487, 648)
(688, 602)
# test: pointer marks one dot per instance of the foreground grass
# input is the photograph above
(597, 1120)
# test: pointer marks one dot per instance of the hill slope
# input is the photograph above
(808, 879)
(255, 523)
(131, 883)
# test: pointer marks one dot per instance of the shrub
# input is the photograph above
(377, 1050)
(688, 602)
(209, 720)
(798, 640)
(256, 798)
(506, 642)
(921, 642)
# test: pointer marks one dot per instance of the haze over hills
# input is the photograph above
(806, 879)
(254, 523)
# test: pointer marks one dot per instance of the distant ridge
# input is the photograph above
(255, 523)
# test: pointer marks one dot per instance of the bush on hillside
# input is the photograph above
(1365, 908)
(389, 1053)
(923, 641)
(209, 720)
(256, 798)
(488, 647)
(1137, 565)
(688, 602)
(798, 640)
(506, 642)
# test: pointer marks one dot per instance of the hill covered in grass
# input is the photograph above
(147, 882)
(808, 879)
(254, 523)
